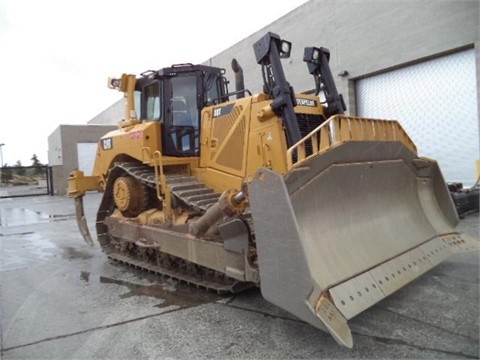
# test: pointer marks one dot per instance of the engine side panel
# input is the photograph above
(139, 142)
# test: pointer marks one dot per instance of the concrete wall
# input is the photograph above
(55, 156)
(62, 153)
(364, 37)
(111, 115)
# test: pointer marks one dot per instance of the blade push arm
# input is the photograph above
(268, 52)
(317, 61)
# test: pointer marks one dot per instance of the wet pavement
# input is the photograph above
(61, 299)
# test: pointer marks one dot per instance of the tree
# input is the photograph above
(37, 165)
(35, 161)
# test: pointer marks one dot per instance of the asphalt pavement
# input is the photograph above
(61, 299)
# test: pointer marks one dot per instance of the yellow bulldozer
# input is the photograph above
(326, 213)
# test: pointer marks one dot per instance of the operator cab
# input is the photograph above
(175, 97)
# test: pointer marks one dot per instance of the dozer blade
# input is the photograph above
(348, 227)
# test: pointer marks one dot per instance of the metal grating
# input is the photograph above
(307, 123)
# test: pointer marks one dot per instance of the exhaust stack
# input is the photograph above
(239, 83)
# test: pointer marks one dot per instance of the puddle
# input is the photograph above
(17, 234)
(26, 250)
(21, 217)
(71, 253)
(177, 294)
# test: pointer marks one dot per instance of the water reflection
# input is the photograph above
(180, 295)
(21, 217)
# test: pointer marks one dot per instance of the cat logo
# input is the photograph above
(107, 144)
(222, 111)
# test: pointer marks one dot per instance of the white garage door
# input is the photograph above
(436, 103)
(86, 157)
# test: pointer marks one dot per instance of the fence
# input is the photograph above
(16, 181)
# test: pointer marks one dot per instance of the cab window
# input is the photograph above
(153, 106)
(212, 87)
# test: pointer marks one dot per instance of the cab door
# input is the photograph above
(181, 126)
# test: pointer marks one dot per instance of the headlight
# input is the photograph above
(285, 47)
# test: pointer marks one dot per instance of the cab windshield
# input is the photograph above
(184, 101)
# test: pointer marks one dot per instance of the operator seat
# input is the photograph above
(181, 116)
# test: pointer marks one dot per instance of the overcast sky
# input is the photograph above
(56, 56)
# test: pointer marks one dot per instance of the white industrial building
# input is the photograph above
(414, 61)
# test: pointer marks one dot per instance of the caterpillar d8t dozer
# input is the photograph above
(326, 213)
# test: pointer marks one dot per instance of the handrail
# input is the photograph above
(163, 192)
(340, 129)
(159, 178)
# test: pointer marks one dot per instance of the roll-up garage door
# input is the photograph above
(436, 103)
(86, 157)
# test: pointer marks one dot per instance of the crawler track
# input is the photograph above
(181, 270)
(187, 190)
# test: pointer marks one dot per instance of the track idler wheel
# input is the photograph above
(129, 196)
